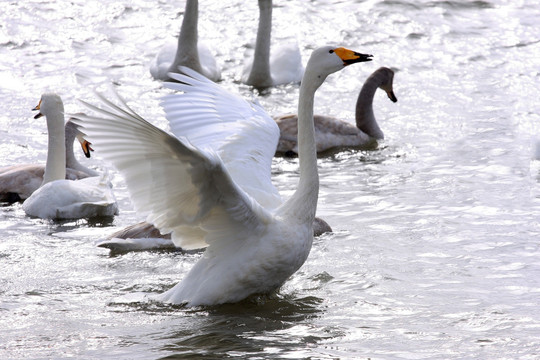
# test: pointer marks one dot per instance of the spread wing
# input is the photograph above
(184, 189)
(242, 133)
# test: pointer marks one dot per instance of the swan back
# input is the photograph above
(286, 64)
(67, 199)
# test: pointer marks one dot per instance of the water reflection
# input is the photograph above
(260, 325)
(435, 246)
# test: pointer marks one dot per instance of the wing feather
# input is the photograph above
(183, 189)
(241, 133)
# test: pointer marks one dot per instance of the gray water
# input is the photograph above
(435, 250)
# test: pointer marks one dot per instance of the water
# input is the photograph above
(435, 252)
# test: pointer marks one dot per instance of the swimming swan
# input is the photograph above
(331, 132)
(145, 236)
(187, 51)
(18, 182)
(211, 184)
(58, 198)
(285, 64)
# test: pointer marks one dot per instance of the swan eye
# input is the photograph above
(331, 51)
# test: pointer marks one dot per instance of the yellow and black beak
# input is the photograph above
(37, 108)
(86, 148)
(350, 57)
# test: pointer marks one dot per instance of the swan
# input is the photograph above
(58, 198)
(331, 132)
(210, 185)
(187, 51)
(18, 182)
(285, 64)
(72, 132)
(145, 236)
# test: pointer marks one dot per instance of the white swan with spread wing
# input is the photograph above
(211, 184)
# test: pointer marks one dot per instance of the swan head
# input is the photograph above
(86, 145)
(49, 104)
(79, 135)
(329, 59)
(386, 76)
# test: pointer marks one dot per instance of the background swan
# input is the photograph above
(283, 66)
(18, 182)
(145, 236)
(331, 132)
(210, 189)
(72, 132)
(186, 51)
(58, 198)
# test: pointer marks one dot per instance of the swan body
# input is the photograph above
(283, 66)
(18, 182)
(186, 51)
(331, 132)
(66, 199)
(57, 198)
(138, 237)
(144, 236)
(210, 184)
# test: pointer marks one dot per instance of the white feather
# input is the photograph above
(206, 188)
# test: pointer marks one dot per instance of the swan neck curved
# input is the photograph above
(260, 75)
(55, 168)
(70, 133)
(365, 118)
(187, 53)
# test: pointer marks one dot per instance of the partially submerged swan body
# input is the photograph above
(18, 182)
(144, 236)
(282, 65)
(331, 132)
(70, 200)
(210, 184)
(186, 51)
(57, 198)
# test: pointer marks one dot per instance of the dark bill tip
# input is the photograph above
(391, 96)
(359, 58)
(86, 148)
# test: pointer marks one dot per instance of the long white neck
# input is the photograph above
(187, 53)
(365, 118)
(260, 75)
(303, 203)
(55, 169)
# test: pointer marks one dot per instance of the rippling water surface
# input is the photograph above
(435, 250)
